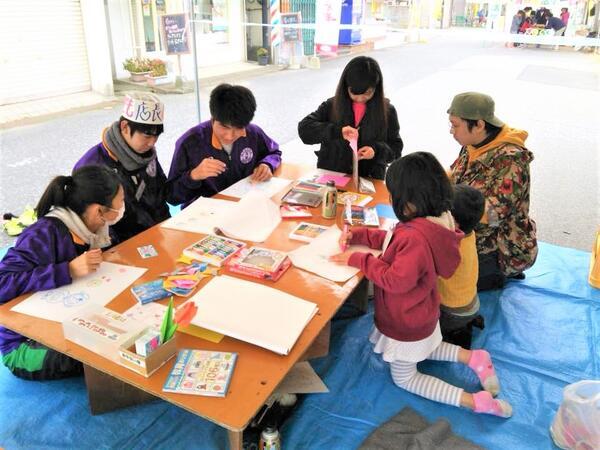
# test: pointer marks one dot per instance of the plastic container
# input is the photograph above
(577, 422)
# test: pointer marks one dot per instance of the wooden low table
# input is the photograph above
(258, 371)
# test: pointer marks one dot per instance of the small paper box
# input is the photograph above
(146, 365)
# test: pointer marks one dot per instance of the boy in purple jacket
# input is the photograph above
(128, 148)
(223, 150)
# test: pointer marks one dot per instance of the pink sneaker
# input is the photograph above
(486, 404)
(481, 363)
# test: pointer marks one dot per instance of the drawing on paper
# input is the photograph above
(67, 298)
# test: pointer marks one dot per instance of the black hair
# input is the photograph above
(232, 105)
(145, 128)
(527, 8)
(360, 74)
(467, 207)
(489, 128)
(418, 186)
(87, 185)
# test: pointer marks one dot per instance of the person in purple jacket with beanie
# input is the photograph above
(65, 243)
(128, 148)
(217, 153)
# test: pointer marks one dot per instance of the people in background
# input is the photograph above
(564, 15)
(494, 159)
(422, 247)
(359, 112)
(128, 149)
(66, 243)
(517, 21)
(217, 153)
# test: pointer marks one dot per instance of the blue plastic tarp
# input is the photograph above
(543, 333)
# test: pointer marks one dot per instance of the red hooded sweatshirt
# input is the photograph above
(407, 302)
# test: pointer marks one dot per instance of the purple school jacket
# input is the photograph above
(196, 144)
(38, 261)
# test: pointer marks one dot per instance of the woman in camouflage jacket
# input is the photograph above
(494, 160)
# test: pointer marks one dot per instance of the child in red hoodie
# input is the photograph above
(423, 246)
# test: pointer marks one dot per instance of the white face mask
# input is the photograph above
(120, 213)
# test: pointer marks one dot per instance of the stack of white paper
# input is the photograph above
(97, 288)
(202, 216)
(253, 218)
(269, 188)
(253, 313)
(314, 257)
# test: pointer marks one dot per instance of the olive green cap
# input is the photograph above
(474, 106)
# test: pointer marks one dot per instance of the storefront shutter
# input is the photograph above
(42, 50)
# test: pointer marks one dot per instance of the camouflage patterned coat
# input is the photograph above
(500, 170)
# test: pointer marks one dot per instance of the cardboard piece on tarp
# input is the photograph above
(302, 379)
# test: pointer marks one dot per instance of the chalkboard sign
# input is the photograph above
(291, 34)
(175, 33)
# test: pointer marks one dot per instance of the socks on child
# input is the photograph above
(481, 363)
(486, 404)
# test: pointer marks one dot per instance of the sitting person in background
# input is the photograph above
(128, 148)
(63, 245)
(223, 150)
(494, 160)
(459, 308)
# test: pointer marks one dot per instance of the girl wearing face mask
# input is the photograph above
(358, 111)
(65, 243)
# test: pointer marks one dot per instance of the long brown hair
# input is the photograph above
(360, 74)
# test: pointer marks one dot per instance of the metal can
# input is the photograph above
(269, 439)
(329, 206)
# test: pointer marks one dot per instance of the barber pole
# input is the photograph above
(275, 22)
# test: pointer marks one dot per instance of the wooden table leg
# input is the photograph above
(106, 393)
(235, 439)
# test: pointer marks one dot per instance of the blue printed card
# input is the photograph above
(149, 292)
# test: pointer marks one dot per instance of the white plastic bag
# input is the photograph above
(577, 422)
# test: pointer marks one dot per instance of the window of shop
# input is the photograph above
(149, 33)
(213, 20)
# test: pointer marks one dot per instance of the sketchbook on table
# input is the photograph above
(253, 313)
(202, 216)
(97, 288)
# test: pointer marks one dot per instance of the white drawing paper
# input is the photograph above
(314, 257)
(202, 216)
(150, 314)
(253, 218)
(97, 288)
(269, 188)
(253, 313)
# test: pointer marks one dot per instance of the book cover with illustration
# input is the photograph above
(361, 216)
(301, 197)
(215, 250)
(306, 232)
(354, 198)
(260, 263)
(201, 372)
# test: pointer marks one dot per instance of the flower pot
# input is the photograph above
(263, 60)
(138, 77)
(155, 81)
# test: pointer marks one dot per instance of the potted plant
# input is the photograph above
(262, 55)
(138, 68)
(158, 73)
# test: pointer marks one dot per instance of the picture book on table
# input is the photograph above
(150, 291)
(260, 263)
(354, 198)
(361, 216)
(306, 232)
(294, 211)
(300, 197)
(215, 250)
(201, 372)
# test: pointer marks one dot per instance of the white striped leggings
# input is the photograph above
(406, 376)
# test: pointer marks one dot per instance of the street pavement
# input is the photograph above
(554, 95)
